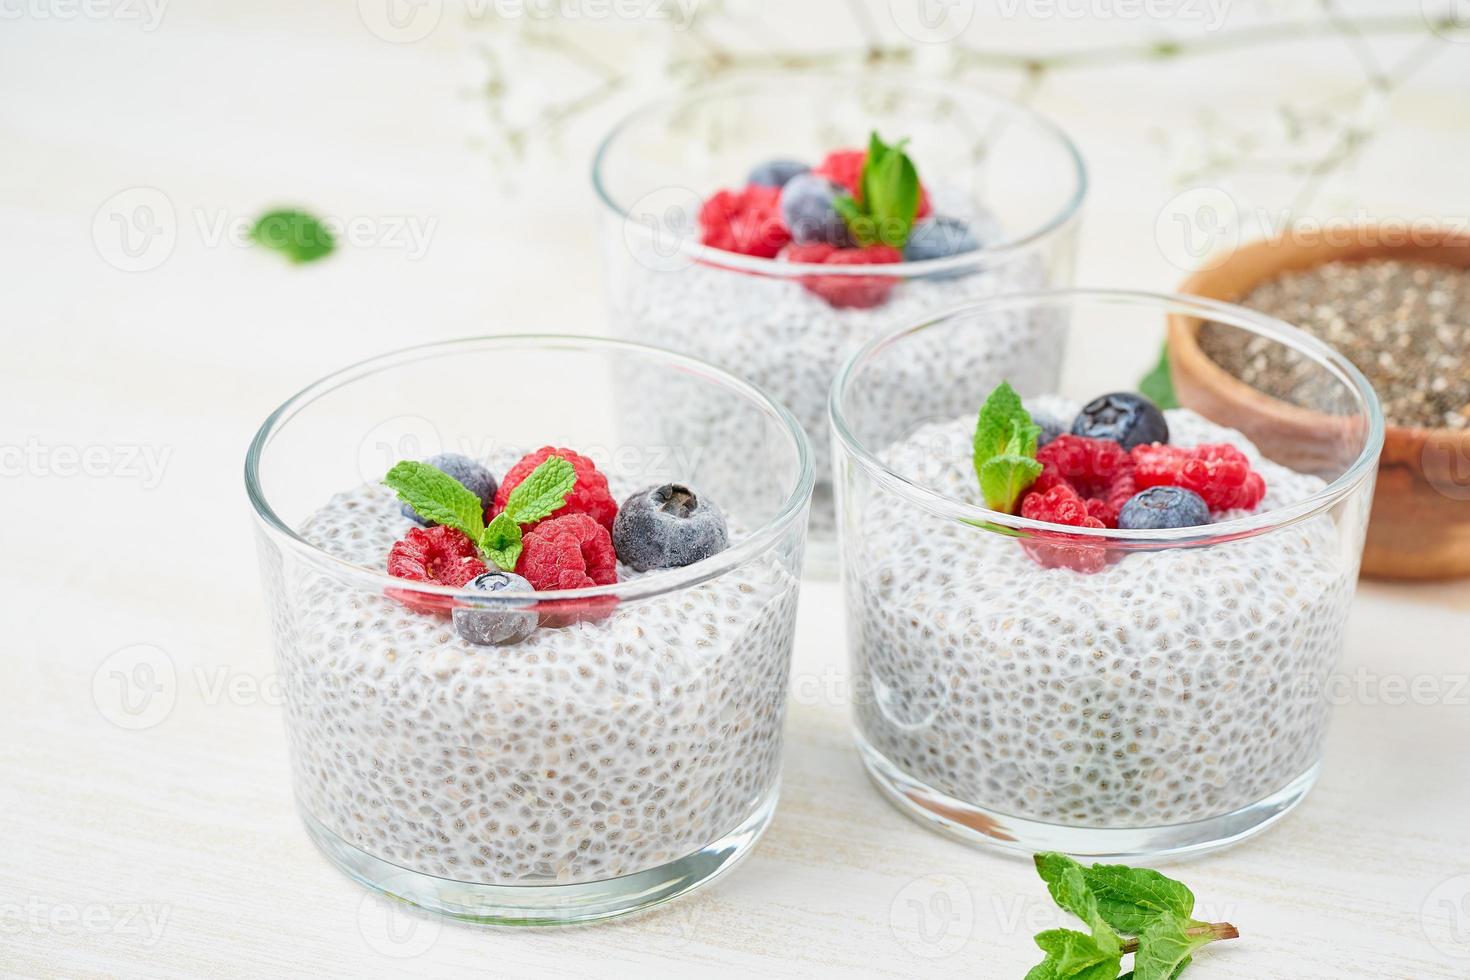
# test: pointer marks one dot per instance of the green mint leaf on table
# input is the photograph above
(1158, 384)
(1005, 449)
(1067, 883)
(500, 542)
(1072, 955)
(1167, 946)
(1131, 898)
(295, 234)
(437, 496)
(542, 493)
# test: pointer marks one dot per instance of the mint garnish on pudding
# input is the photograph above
(1005, 449)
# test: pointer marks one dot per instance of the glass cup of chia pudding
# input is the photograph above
(535, 660)
(1079, 618)
(773, 225)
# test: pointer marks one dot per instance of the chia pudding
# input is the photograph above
(1169, 686)
(583, 752)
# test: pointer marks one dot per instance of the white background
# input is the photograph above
(165, 844)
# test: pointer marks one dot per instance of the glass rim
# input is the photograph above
(1362, 468)
(665, 581)
(980, 257)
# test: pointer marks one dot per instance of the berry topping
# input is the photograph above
(668, 527)
(809, 211)
(589, 495)
(747, 221)
(471, 474)
(438, 555)
(1127, 419)
(776, 173)
(939, 238)
(845, 167)
(1163, 507)
(1218, 472)
(491, 623)
(857, 292)
(573, 551)
(1062, 505)
(1097, 470)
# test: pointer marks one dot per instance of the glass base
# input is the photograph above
(544, 905)
(977, 825)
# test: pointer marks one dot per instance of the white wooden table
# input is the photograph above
(165, 843)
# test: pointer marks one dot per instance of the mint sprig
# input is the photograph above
(1154, 912)
(299, 236)
(440, 498)
(1005, 449)
(890, 197)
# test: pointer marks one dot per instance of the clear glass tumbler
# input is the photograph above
(785, 325)
(626, 751)
(1092, 690)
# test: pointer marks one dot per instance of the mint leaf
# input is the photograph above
(1158, 384)
(1004, 478)
(295, 234)
(891, 193)
(1072, 955)
(1067, 883)
(1131, 898)
(1005, 449)
(542, 493)
(437, 496)
(1167, 945)
(500, 542)
(863, 231)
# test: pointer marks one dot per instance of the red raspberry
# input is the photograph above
(590, 496)
(856, 292)
(747, 221)
(440, 555)
(568, 552)
(1062, 505)
(845, 167)
(1098, 470)
(1218, 472)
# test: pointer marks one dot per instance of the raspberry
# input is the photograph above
(857, 292)
(590, 495)
(1062, 505)
(1218, 472)
(747, 221)
(845, 167)
(572, 551)
(440, 555)
(1098, 470)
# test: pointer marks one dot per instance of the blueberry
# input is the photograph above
(1127, 419)
(939, 238)
(807, 210)
(474, 476)
(495, 623)
(776, 173)
(667, 527)
(1050, 429)
(1165, 506)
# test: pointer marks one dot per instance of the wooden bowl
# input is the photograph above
(1420, 525)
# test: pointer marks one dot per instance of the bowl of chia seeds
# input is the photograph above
(722, 239)
(1396, 304)
(1032, 676)
(593, 726)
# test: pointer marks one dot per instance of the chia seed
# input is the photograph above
(1401, 323)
